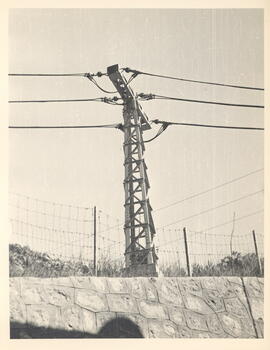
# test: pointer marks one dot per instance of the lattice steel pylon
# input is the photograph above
(140, 254)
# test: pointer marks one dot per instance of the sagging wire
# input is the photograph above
(92, 79)
(146, 97)
(136, 72)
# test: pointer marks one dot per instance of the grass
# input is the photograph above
(25, 262)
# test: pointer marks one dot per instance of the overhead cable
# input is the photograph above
(146, 97)
(237, 219)
(160, 131)
(47, 75)
(90, 76)
(117, 126)
(156, 121)
(99, 99)
(220, 225)
(98, 74)
(214, 208)
(136, 72)
(209, 189)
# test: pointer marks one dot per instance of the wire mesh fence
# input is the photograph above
(66, 233)
(205, 253)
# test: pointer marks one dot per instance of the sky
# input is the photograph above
(84, 167)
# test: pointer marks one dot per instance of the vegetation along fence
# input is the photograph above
(63, 239)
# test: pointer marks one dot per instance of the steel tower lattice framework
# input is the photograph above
(140, 255)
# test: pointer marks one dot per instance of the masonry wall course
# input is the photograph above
(160, 307)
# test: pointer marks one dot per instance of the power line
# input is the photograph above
(211, 209)
(99, 99)
(86, 75)
(210, 189)
(219, 225)
(136, 72)
(44, 101)
(228, 222)
(48, 74)
(90, 76)
(117, 126)
(156, 121)
(146, 97)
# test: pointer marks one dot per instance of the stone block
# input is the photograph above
(248, 328)
(261, 282)
(98, 284)
(168, 291)
(91, 300)
(231, 325)
(208, 283)
(136, 287)
(80, 282)
(89, 321)
(117, 285)
(17, 312)
(234, 279)
(138, 320)
(225, 288)
(257, 306)
(189, 285)
(62, 281)
(253, 287)
(14, 290)
(72, 319)
(200, 334)
(43, 316)
(214, 324)
(197, 304)
(58, 295)
(150, 290)
(32, 293)
(184, 332)
(176, 315)
(214, 301)
(27, 281)
(15, 286)
(151, 309)
(260, 328)
(122, 303)
(235, 307)
(195, 320)
(162, 329)
(238, 291)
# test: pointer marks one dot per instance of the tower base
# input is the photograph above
(142, 270)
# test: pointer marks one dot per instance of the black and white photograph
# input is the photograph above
(136, 173)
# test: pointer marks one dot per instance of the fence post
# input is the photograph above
(95, 241)
(186, 251)
(256, 251)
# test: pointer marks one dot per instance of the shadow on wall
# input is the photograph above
(117, 328)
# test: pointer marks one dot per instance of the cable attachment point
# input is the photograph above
(100, 74)
(90, 76)
(105, 99)
(120, 127)
(165, 124)
(146, 97)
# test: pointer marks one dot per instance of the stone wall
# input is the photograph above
(204, 307)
